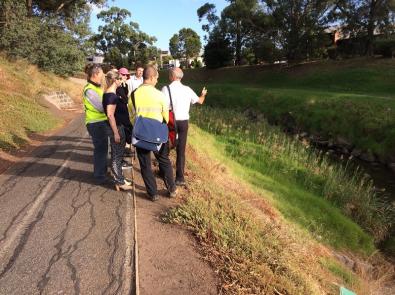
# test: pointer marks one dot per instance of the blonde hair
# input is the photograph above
(111, 76)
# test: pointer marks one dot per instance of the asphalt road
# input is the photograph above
(59, 233)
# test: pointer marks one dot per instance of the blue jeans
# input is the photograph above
(99, 134)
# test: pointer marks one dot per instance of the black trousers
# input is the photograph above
(162, 156)
(182, 130)
(117, 151)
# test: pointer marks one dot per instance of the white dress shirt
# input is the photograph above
(182, 97)
(134, 83)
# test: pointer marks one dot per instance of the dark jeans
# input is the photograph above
(182, 130)
(162, 156)
(117, 151)
(98, 132)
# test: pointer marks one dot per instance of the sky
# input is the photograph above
(162, 18)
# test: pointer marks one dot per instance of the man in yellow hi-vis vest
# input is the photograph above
(151, 103)
(96, 121)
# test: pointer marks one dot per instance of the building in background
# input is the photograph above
(166, 61)
(96, 59)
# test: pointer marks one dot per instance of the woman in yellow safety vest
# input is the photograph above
(96, 121)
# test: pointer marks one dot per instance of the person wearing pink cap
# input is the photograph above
(123, 89)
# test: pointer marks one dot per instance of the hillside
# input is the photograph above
(265, 192)
(254, 249)
(270, 217)
(349, 101)
(23, 110)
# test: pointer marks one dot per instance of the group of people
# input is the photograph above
(110, 113)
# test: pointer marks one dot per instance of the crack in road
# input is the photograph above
(58, 255)
(112, 241)
(87, 201)
(25, 236)
(41, 187)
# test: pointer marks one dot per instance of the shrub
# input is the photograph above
(41, 40)
(385, 47)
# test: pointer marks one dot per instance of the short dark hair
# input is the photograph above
(92, 69)
(138, 66)
(149, 72)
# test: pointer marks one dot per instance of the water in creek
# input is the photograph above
(383, 178)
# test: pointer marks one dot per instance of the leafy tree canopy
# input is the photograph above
(122, 43)
(186, 44)
(52, 39)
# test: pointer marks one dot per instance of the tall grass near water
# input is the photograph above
(268, 151)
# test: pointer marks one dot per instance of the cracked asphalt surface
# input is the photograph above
(59, 234)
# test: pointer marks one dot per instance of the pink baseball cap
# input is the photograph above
(123, 71)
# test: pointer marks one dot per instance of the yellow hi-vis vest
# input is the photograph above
(151, 103)
(92, 114)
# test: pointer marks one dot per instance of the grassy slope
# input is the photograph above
(253, 248)
(21, 88)
(351, 99)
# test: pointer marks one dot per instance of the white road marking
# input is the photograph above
(127, 265)
(32, 211)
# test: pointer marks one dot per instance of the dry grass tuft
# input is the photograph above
(252, 247)
(21, 89)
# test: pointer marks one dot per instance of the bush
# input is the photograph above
(196, 64)
(39, 40)
(351, 47)
(385, 47)
(218, 52)
(332, 52)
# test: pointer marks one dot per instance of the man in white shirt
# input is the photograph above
(136, 80)
(133, 83)
(182, 98)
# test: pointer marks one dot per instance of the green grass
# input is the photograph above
(252, 253)
(358, 76)
(350, 99)
(308, 189)
(21, 88)
(340, 271)
(368, 122)
(21, 117)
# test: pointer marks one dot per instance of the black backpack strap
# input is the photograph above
(171, 100)
(172, 108)
(133, 99)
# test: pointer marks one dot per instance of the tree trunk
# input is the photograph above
(371, 27)
(29, 7)
(238, 43)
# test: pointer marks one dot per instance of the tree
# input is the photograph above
(66, 8)
(186, 44)
(123, 44)
(300, 25)
(53, 42)
(208, 11)
(238, 20)
(241, 22)
(361, 18)
(218, 51)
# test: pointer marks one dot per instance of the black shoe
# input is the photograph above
(154, 198)
(180, 183)
(126, 165)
